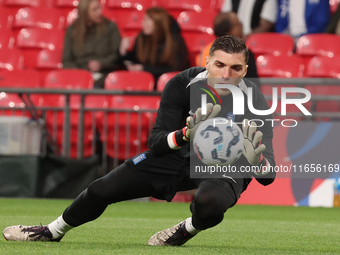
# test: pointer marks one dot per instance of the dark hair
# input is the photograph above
(222, 24)
(229, 44)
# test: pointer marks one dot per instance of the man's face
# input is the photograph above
(225, 68)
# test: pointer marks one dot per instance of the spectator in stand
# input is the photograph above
(159, 47)
(297, 18)
(257, 16)
(92, 42)
(334, 25)
(229, 24)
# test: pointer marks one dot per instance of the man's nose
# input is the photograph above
(226, 73)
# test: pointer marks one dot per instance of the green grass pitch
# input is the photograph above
(125, 228)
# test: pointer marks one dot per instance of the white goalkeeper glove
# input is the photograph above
(252, 148)
(193, 122)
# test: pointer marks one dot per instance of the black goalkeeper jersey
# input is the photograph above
(176, 103)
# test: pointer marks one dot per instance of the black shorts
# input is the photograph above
(171, 174)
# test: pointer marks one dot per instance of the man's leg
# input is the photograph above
(213, 197)
(120, 184)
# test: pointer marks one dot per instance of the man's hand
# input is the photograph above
(194, 122)
(252, 148)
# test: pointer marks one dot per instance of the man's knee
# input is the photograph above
(210, 203)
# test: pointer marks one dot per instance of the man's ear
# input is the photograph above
(207, 60)
(245, 73)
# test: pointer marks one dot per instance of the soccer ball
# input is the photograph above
(216, 141)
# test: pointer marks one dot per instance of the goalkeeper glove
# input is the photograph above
(252, 148)
(194, 122)
(178, 138)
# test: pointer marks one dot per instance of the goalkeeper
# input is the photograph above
(164, 169)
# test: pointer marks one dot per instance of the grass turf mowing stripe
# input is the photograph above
(125, 228)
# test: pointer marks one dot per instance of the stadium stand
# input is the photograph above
(33, 40)
(263, 43)
(6, 18)
(7, 38)
(11, 59)
(175, 7)
(17, 79)
(129, 81)
(324, 67)
(191, 21)
(68, 79)
(312, 45)
(130, 4)
(280, 66)
(42, 17)
(129, 127)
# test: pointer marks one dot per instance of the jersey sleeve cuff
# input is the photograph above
(175, 139)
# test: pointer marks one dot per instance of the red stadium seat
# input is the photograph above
(66, 3)
(133, 22)
(19, 79)
(69, 79)
(11, 59)
(6, 18)
(270, 43)
(175, 7)
(26, 3)
(196, 42)
(42, 17)
(191, 21)
(163, 80)
(324, 67)
(311, 45)
(334, 5)
(130, 4)
(130, 125)
(47, 61)
(280, 66)
(16, 79)
(33, 40)
(125, 80)
(6, 38)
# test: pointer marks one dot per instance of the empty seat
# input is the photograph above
(191, 21)
(129, 125)
(175, 6)
(6, 38)
(66, 3)
(48, 60)
(130, 4)
(25, 3)
(16, 79)
(19, 79)
(132, 23)
(163, 80)
(125, 80)
(6, 18)
(280, 66)
(270, 43)
(68, 79)
(42, 17)
(311, 45)
(324, 67)
(33, 40)
(11, 59)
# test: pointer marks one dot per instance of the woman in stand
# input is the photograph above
(159, 47)
(92, 42)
